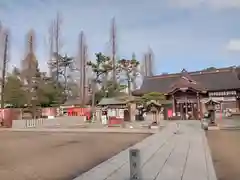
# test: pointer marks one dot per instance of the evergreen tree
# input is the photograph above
(14, 93)
(100, 69)
(127, 70)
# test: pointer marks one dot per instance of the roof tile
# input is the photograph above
(220, 79)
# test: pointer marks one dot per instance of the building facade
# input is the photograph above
(189, 91)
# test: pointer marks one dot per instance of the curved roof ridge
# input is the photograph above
(217, 70)
(211, 80)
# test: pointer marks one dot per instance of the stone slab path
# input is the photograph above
(166, 155)
(86, 130)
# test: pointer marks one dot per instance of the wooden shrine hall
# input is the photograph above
(189, 91)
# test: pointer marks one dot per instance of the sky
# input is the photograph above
(190, 34)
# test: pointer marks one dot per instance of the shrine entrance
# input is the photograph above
(186, 109)
(186, 104)
(186, 94)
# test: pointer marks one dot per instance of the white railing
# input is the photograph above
(41, 123)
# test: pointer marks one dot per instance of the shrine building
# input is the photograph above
(189, 91)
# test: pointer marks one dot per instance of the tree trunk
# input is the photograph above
(129, 88)
(93, 100)
(129, 96)
(65, 78)
(4, 70)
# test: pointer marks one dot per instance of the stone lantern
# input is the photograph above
(210, 105)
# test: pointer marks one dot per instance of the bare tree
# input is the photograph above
(30, 71)
(57, 41)
(82, 67)
(86, 75)
(150, 61)
(29, 63)
(55, 47)
(147, 66)
(58, 64)
(114, 49)
(135, 73)
(4, 65)
(51, 49)
(1, 46)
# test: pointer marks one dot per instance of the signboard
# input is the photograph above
(170, 113)
(222, 93)
(135, 166)
(186, 101)
(226, 99)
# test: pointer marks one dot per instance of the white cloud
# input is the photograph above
(234, 45)
(213, 4)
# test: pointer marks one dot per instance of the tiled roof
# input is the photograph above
(111, 101)
(75, 101)
(214, 80)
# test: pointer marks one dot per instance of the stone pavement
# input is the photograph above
(166, 155)
(89, 130)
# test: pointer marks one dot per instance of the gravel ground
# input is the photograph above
(225, 149)
(55, 155)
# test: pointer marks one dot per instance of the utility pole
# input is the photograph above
(113, 44)
(4, 67)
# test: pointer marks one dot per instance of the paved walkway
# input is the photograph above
(102, 130)
(164, 156)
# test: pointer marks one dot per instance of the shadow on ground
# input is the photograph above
(225, 150)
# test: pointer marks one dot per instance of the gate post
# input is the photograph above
(134, 160)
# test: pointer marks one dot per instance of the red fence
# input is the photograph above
(112, 121)
(7, 115)
(10, 114)
(79, 112)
